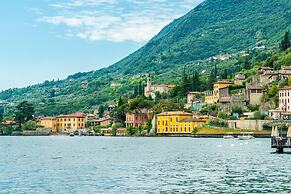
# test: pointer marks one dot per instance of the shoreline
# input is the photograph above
(209, 136)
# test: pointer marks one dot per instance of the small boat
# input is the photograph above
(72, 135)
(228, 136)
(246, 136)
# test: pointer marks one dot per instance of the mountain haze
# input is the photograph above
(214, 27)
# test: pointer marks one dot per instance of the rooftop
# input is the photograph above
(223, 82)
(47, 118)
(78, 115)
(285, 88)
(175, 113)
(266, 68)
(192, 120)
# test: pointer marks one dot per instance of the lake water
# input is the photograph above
(141, 165)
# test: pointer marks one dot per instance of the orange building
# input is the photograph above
(49, 123)
(70, 123)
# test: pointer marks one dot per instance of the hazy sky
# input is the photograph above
(50, 39)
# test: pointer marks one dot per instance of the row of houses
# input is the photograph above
(251, 91)
(71, 122)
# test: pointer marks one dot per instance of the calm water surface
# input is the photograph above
(141, 165)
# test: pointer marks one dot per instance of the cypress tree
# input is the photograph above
(285, 43)
(211, 80)
(195, 81)
(224, 74)
(247, 64)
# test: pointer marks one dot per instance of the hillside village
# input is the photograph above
(255, 96)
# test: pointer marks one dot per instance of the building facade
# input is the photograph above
(239, 79)
(285, 99)
(193, 98)
(136, 120)
(177, 123)
(220, 89)
(49, 123)
(70, 123)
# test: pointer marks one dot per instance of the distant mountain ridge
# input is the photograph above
(213, 27)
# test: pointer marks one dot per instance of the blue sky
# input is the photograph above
(50, 39)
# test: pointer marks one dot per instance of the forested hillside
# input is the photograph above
(212, 28)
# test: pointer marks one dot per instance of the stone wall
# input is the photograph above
(247, 124)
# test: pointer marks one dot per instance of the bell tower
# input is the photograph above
(149, 81)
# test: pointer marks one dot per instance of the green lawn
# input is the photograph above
(214, 130)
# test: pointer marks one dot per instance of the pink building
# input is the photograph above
(137, 119)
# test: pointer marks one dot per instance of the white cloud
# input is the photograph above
(116, 20)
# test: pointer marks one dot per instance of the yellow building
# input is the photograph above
(49, 123)
(220, 89)
(70, 123)
(177, 123)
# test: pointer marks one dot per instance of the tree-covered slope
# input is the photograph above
(214, 27)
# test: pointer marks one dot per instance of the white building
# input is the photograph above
(285, 99)
(151, 90)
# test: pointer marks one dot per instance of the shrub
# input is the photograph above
(222, 115)
(29, 125)
(267, 126)
(218, 123)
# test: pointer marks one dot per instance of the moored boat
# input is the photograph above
(246, 136)
(228, 136)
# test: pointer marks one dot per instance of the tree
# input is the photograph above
(101, 111)
(185, 83)
(1, 114)
(224, 74)
(222, 115)
(211, 80)
(259, 116)
(285, 43)
(29, 125)
(24, 112)
(215, 70)
(195, 81)
(247, 64)
(120, 102)
(52, 93)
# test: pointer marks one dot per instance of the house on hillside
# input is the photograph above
(220, 89)
(254, 94)
(151, 90)
(268, 74)
(239, 79)
(193, 99)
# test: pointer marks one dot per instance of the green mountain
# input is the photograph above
(212, 28)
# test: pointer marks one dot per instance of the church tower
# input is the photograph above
(148, 88)
(149, 81)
